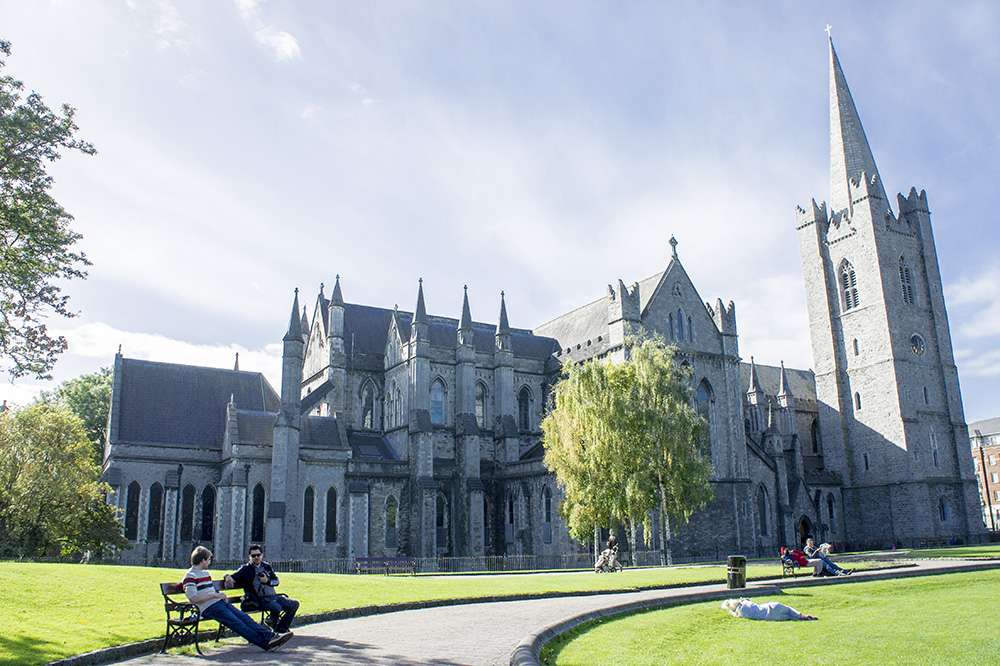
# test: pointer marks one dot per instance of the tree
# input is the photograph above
(89, 397)
(51, 502)
(624, 440)
(36, 241)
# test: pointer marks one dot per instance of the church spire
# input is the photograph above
(466, 323)
(420, 314)
(504, 326)
(754, 387)
(294, 333)
(850, 154)
(337, 298)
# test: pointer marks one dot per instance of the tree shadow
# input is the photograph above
(29, 650)
(318, 650)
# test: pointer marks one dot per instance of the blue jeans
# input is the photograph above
(282, 611)
(225, 614)
(829, 564)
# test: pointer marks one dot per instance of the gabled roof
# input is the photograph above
(320, 432)
(178, 404)
(801, 383)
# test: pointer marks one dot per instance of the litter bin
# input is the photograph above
(736, 569)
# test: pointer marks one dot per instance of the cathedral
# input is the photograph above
(406, 433)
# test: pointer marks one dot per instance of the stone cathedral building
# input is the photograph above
(405, 432)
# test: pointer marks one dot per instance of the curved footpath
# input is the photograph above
(508, 632)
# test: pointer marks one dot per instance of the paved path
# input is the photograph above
(470, 635)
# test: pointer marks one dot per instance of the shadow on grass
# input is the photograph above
(28, 650)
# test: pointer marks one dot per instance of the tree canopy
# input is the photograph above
(624, 440)
(51, 502)
(89, 397)
(37, 244)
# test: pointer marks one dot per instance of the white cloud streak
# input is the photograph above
(282, 45)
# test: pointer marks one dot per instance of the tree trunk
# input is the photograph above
(666, 556)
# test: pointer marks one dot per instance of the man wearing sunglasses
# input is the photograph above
(258, 581)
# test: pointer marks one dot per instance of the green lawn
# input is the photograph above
(985, 550)
(58, 610)
(946, 619)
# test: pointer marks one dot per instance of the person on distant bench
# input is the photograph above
(801, 560)
(212, 605)
(258, 581)
(771, 610)
(821, 553)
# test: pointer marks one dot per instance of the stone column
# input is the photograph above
(238, 514)
(357, 508)
(476, 537)
(170, 496)
(427, 493)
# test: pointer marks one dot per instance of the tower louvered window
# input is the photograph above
(906, 281)
(849, 286)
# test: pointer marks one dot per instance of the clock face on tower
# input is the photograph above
(917, 344)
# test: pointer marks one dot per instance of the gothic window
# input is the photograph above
(857, 401)
(153, 520)
(867, 464)
(331, 515)
(390, 522)
(680, 326)
(257, 519)
(208, 513)
(187, 513)
(857, 349)
(762, 509)
(849, 286)
(546, 515)
(905, 281)
(829, 510)
(817, 438)
(524, 409)
(308, 507)
(927, 400)
(368, 406)
(917, 345)
(703, 399)
(399, 407)
(943, 510)
(690, 331)
(442, 523)
(934, 448)
(437, 402)
(132, 511)
(481, 404)
(671, 333)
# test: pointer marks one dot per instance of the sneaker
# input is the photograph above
(278, 641)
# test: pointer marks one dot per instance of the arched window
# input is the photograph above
(308, 509)
(829, 511)
(437, 402)
(153, 522)
(388, 413)
(849, 286)
(680, 325)
(671, 333)
(390, 522)
(762, 510)
(690, 331)
(927, 399)
(510, 509)
(934, 448)
(257, 519)
(132, 511)
(368, 406)
(905, 281)
(331, 515)
(524, 409)
(857, 348)
(857, 401)
(817, 438)
(546, 514)
(187, 513)
(442, 523)
(481, 404)
(399, 407)
(208, 513)
(943, 510)
(703, 399)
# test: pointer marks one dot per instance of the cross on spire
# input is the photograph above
(829, 30)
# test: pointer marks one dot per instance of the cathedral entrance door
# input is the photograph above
(805, 530)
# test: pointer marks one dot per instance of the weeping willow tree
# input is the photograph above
(624, 440)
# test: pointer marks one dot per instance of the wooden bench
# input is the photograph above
(385, 565)
(183, 618)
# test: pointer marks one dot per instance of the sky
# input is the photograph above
(546, 149)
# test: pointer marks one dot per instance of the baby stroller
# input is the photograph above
(608, 561)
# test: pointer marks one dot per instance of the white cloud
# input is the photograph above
(170, 29)
(309, 111)
(282, 44)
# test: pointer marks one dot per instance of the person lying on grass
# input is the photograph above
(772, 610)
(212, 605)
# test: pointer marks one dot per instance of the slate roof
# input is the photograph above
(256, 427)
(370, 447)
(366, 328)
(320, 432)
(802, 383)
(986, 426)
(185, 404)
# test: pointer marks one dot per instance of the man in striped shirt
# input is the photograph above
(213, 605)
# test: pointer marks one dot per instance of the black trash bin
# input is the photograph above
(736, 569)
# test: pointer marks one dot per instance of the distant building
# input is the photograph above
(985, 438)
(413, 433)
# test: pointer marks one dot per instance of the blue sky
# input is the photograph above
(546, 149)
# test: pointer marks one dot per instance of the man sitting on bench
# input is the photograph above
(258, 581)
(212, 605)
